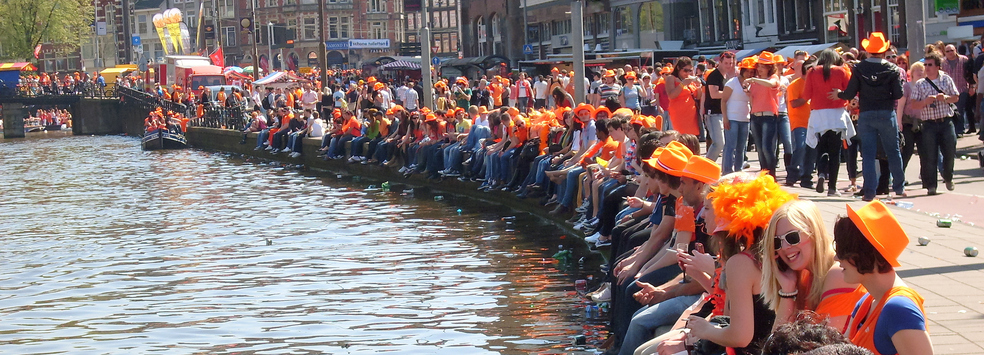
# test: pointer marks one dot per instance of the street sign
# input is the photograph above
(138, 48)
(436, 61)
(527, 49)
(135, 40)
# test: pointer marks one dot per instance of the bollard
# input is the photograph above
(970, 251)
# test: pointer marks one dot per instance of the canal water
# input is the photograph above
(109, 249)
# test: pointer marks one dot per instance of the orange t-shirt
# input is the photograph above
(799, 117)
(764, 99)
(353, 127)
(606, 148)
(523, 134)
(496, 90)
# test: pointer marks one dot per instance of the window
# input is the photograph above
(836, 22)
(411, 22)
(291, 28)
(338, 27)
(798, 16)
(603, 21)
(229, 36)
(760, 7)
(453, 18)
(227, 9)
(290, 2)
(310, 29)
(480, 27)
(496, 36)
(435, 20)
(444, 19)
(454, 41)
(271, 3)
(142, 24)
(377, 29)
(376, 6)
(445, 42)
(191, 18)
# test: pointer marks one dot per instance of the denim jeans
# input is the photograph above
(357, 145)
(448, 152)
(624, 305)
(804, 160)
(648, 318)
(715, 128)
(958, 122)
(785, 134)
(506, 165)
(570, 187)
(765, 131)
(735, 143)
(873, 127)
(937, 137)
(261, 138)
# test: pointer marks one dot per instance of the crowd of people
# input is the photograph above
(77, 83)
(50, 117)
(704, 255)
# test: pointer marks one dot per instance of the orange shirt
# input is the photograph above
(384, 127)
(353, 127)
(290, 100)
(764, 99)
(606, 148)
(523, 134)
(496, 90)
(861, 326)
(221, 97)
(799, 117)
(683, 110)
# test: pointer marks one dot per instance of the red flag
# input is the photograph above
(217, 57)
(37, 51)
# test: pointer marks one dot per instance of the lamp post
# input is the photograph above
(256, 52)
(425, 58)
(322, 47)
(577, 47)
(269, 47)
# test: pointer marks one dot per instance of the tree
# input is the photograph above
(26, 23)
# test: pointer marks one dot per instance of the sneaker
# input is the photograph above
(580, 224)
(932, 192)
(584, 206)
(834, 193)
(275, 151)
(352, 159)
(593, 238)
(295, 155)
(821, 179)
(949, 185)
(452, 174)
(402, 170)
(604, 295)
(257, 148)
(603, 243)
(577, 218)
(269, 147)
(287, 150)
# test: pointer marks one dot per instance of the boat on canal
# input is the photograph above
(164, 139)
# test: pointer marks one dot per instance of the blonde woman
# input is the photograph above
(799, 271)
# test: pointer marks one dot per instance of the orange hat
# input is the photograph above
(425, 110)
(483, 110)
(461, 80)
(513, 111)
(673, 160)
(378, 86)
(652, 161)
(610, 73)
(630, 75)
(875, 44)
(372, 79)
(881, 228)
(747, 63)
(200, 87)
(389, 111)
(458, 109)
(779, 59)
(430, 117)
(397, 108)
(666, 70)
(337, 113)
(450, 113)
(644, 121)
(601, 109)
(766, 58)
(584, 107)
(702, 169)
(555, 70)
(746, 205)
(440, 84)
(622, 111)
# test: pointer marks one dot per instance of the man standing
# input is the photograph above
(954, 66)
(933, 96)
(715, 91)
(540, 93)
(877, 83)
(411, 100)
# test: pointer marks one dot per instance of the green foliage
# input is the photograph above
(26, 23)
(651, 16)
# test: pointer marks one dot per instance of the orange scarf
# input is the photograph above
(861, 331)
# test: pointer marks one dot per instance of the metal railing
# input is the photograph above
(150, 102)
(33, 90)
(214, 115)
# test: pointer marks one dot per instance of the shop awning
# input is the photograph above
(279, 77)
(17, 66)
(401, 65)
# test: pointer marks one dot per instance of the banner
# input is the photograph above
(218, 57)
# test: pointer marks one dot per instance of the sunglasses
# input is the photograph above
(929, 64)
(892, 56)
(791, 238)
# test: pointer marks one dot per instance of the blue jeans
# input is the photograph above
(506, 165)
(570, 187)
(765, 131)
(625, 306)
(715, 127)
(648, 318)
(735, 143)
(261, 138)
(357, 145)
(873, 127)
(804, 160)
(448, 154)
(784, 134)
(937, 137)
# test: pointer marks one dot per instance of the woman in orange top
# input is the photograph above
(763, 92)
(799, 271)
(890, 318)
(683, 90)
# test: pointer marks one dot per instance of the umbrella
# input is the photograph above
(247, 70)
(233, 68)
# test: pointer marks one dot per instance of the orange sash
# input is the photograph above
(861, 331)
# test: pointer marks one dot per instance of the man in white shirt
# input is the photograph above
(540, 93)
(338, 96)
(411, 103)
(401, 94)
(309, 99)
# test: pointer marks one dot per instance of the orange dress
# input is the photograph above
(683, 111)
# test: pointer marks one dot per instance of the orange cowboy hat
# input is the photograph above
(378, 86)
(555, 70)
(652, 160)
(747, 63)
(779, 59)
(482, 109)
(875, 43)
(430, 118)
(702, 169)
(610, 73)
(673, 160)
(440, 84)
(512, 111)
(601, 109)
(584, 107)
(666, 70)
(630, 75)
(461, 80)
(882, 230)
(450, 113)
(622, 111)
(766, 58)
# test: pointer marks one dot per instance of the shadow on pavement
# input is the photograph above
(940, 270)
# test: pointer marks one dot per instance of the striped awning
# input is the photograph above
(401, 65)
(17, 66)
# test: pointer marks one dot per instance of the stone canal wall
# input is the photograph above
(228, 141)
(108, 116)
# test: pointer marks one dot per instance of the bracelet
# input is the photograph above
(788, 295)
